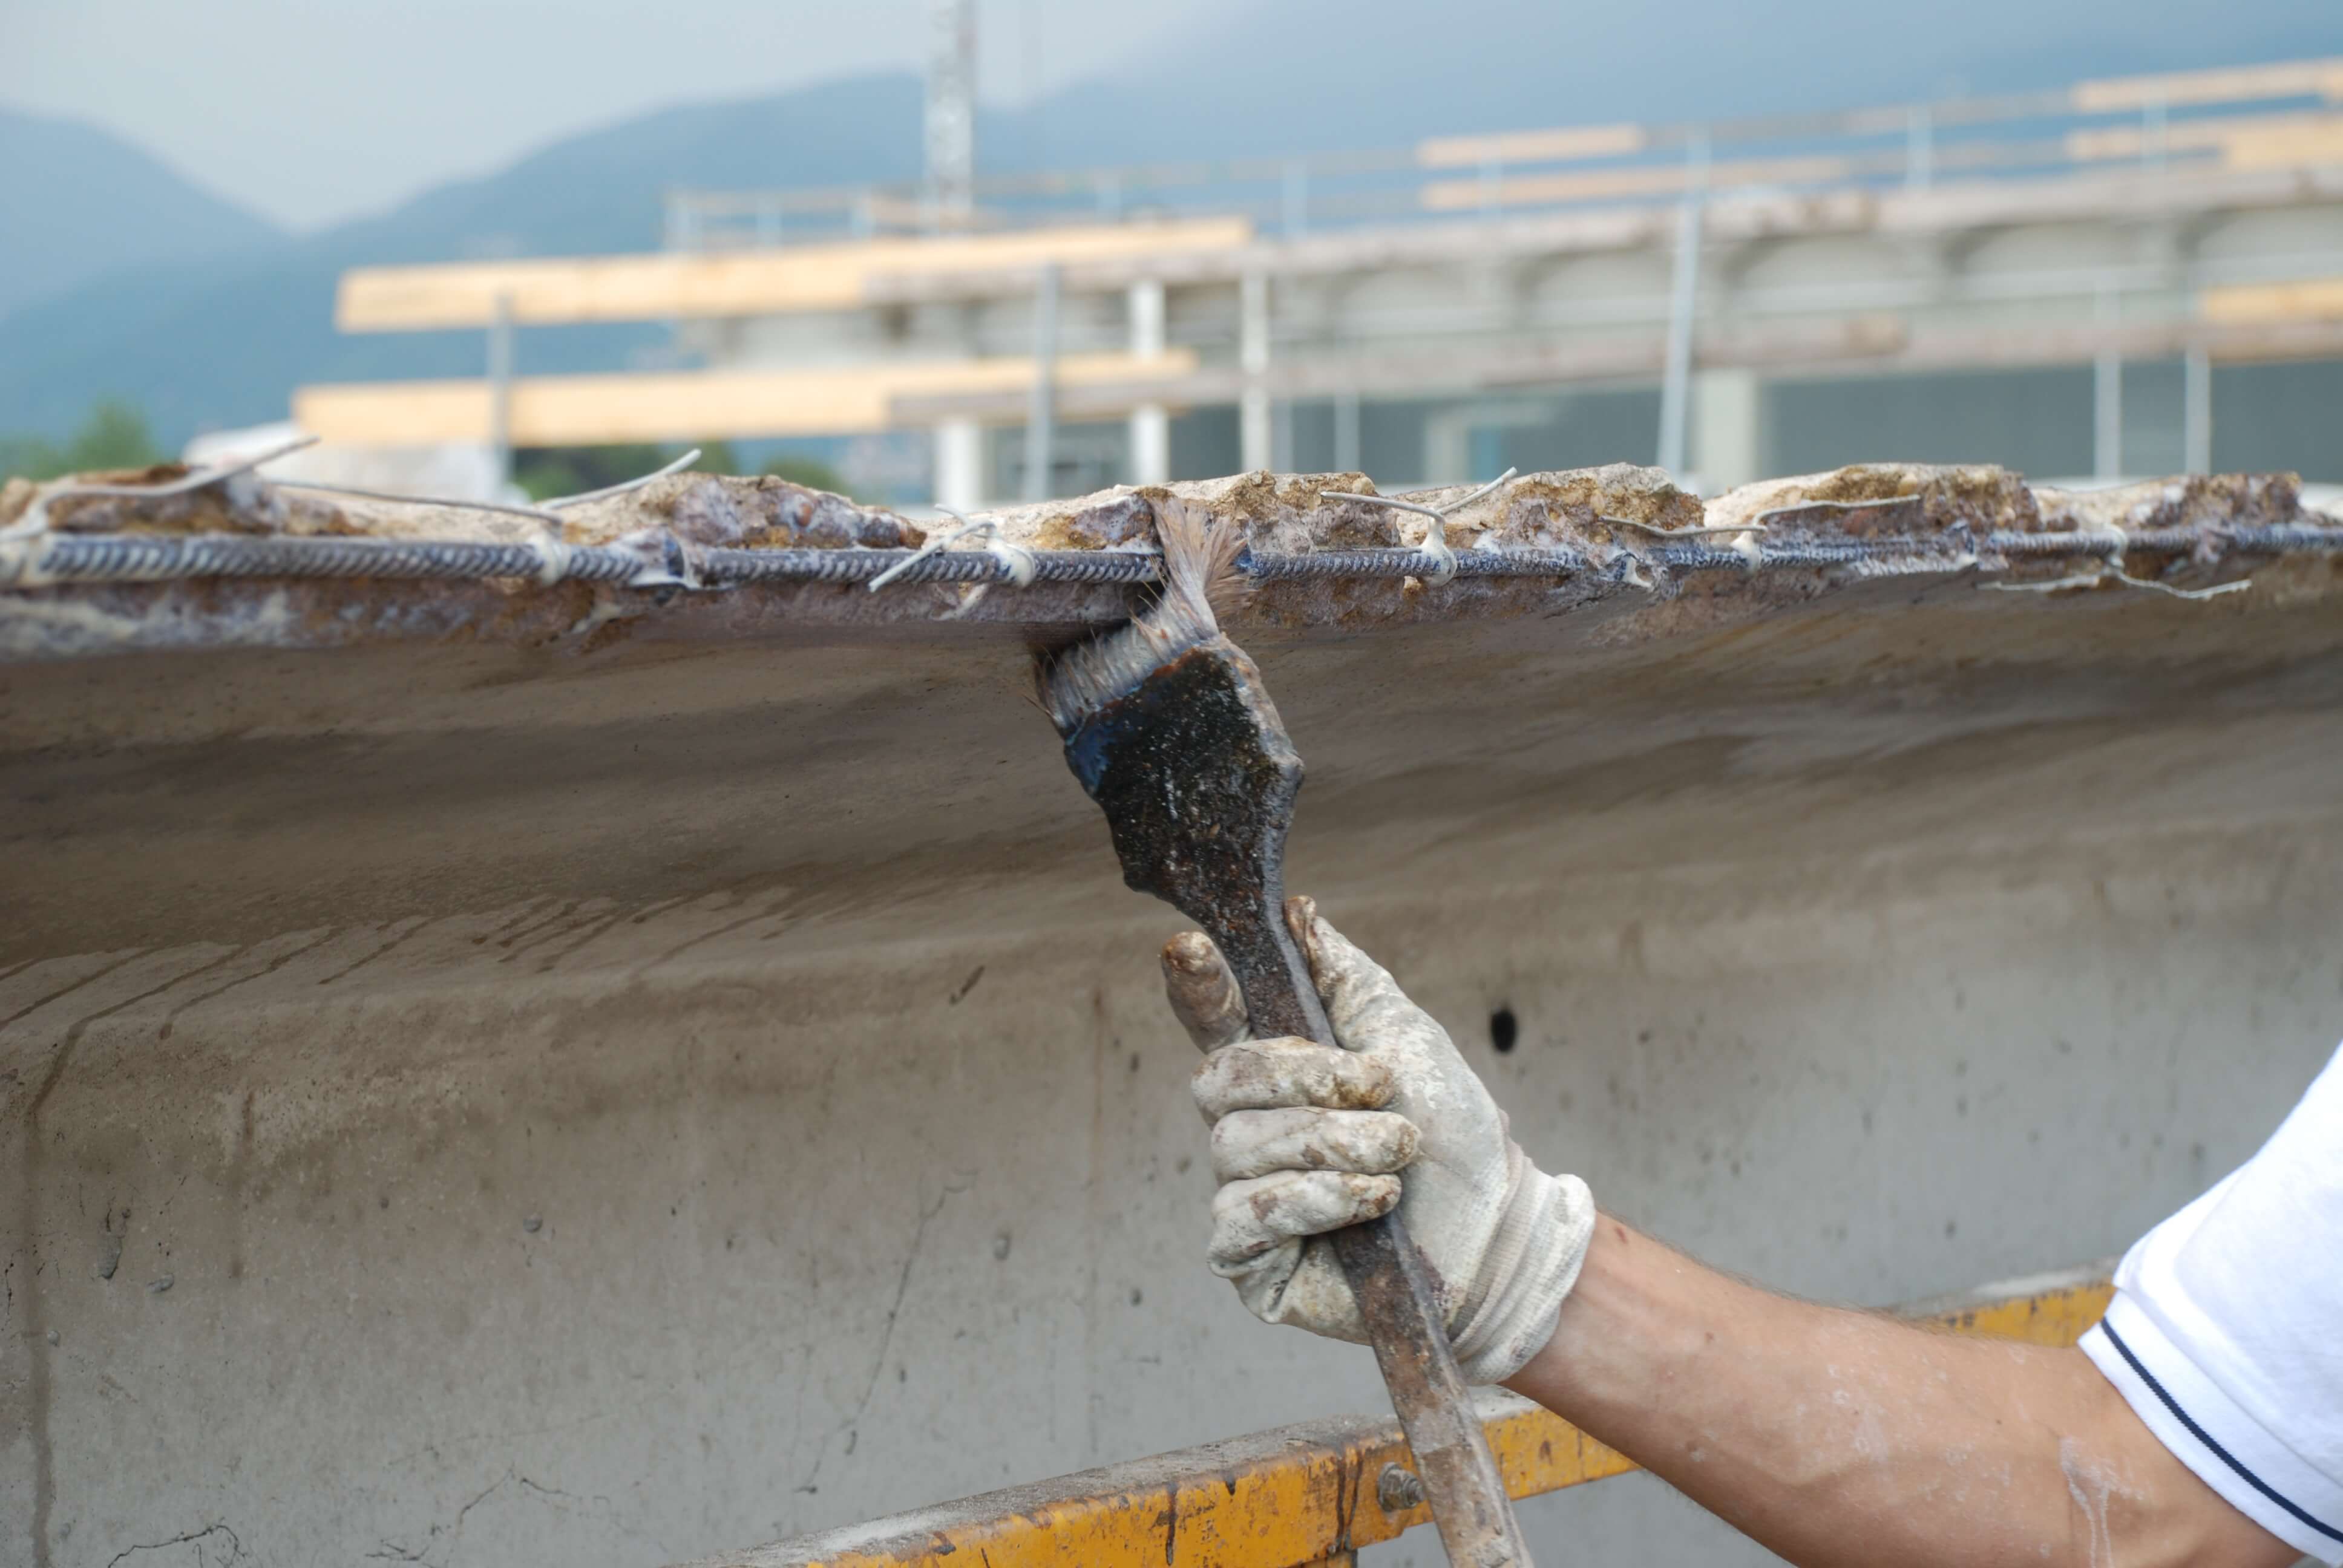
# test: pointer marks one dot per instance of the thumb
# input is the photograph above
(1202, 992)
(1362, 1002)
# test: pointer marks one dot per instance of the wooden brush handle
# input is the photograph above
(1469, 1504)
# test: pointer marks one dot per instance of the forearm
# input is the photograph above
(1843, 1437)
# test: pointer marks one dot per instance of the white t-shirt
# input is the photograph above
(2226, 1332)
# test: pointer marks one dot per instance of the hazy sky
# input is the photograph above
(313, 110)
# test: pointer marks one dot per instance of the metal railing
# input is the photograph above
(2251, 116)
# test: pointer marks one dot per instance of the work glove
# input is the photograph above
(1309, 1138)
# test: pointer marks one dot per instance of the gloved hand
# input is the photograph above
(1307, 1139)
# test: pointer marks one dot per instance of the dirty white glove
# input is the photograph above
(1307, 1139)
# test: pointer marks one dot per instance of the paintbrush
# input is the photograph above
(1169, 728)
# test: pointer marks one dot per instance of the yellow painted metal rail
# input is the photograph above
(1304, 1495)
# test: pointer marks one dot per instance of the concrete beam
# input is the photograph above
(2269, 303)
(1853, 345)
(586, 410)
(736, 282)
(1942, 208)
(651, 1053)
(1472, 367)
(2221, 85)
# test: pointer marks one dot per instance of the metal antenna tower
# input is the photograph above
(951, 107)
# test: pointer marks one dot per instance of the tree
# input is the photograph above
(548, 471)
(113, 436)
(812, 472)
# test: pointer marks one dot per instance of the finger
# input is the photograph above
(1202, 992)
(1262, 1074)
(1247, 1143)
(1257, 1216)
(1359, 993)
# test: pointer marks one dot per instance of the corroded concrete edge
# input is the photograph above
(1303, 1493)
(1614, 517)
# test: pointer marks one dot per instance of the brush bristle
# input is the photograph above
(1199, 582)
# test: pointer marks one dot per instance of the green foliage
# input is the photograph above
(812, 472)
(113, 436)
(548, 471)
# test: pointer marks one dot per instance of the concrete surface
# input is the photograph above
(471, 1105)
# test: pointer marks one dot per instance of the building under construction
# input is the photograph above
(2131, 276)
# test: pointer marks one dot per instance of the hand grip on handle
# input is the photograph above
(1469, 1504)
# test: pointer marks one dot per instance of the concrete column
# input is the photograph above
(1448, 447)
(1346, 431)
(1151, 444)
(1919, 148)
(2197, 412)
(2106, 416)
(1254, 431)
(951, 107)
(960, 464)
(1041, 411)
(1728, 437)
(1151, 423)
(2106, 396)
(1675, 381)
(1684, 305)
(500, 379)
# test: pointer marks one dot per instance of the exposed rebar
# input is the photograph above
(663, 560)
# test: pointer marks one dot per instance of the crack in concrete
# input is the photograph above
(555, 917)
(420, 921)
(592, 928)
(561, 926)
(776, 906)
(593, 1505)
(410, 1456)
(528, 912)
(35, 1005)
(236, 1551)
(37, 1390)
(393, 1551)
(171, 1019)
(887, 1334)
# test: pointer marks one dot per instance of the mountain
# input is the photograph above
(1303, 75)
(76, 203)
(222, 341)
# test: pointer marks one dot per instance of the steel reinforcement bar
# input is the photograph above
(665, 561)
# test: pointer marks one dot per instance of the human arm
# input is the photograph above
(1838, 1437)
(1832, 1436)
